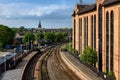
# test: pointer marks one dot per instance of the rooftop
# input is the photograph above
(6, 56)
(86, 8)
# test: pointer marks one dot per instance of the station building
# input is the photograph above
(98, 26)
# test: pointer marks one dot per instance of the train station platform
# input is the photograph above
(15, 74)
(82, 71)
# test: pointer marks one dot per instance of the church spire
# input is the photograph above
(39, 26)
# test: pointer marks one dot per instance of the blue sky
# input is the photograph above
(52, 13)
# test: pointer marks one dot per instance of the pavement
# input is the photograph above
(15, 74)
(80, 69)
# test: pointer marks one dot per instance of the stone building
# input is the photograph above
(98, 26)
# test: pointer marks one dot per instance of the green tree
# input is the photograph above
(65, 34)
(15, 29)
(6, 36)
(39, 35)
(28, 37)
(89, 56)
(21, 29)
(58, 37)
(49, 36)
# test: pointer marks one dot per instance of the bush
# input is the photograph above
(68, 47)
(111, 74)
(89, 56)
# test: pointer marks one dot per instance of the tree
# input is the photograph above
(21, 29)
(89, 56)
(65, 34)
(39, 35)
(15, 30)
(28, 37)
(58, 37)
(49, 36)
(6, 36)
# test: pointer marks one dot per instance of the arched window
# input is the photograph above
(87, 31)
(100, 37)
(74, 33)
(84, 32)
(92, 31)
(107, 42)
(80, 35)
(111, 40)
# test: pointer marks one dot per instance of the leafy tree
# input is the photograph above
(49, 36)
(6, 36)
(58, 37)
(39, 35)
(21, 29)
(89, 56)
(15, 29)
(65, 34)
(28, 37)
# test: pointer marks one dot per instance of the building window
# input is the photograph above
(111, 40)
(100, 37)
(107, 42)
(74, 33)
(85, 32)
(94, 31)
(80, 20)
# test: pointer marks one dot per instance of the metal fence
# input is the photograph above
(94, 69)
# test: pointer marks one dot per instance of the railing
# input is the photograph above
(94, 69)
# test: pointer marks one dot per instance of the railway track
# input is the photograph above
(30, 68)
(28, 72)
(59, 70)
(43, 70)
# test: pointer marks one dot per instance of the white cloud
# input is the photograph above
(42, 10)
(28, 14)
(12, 10)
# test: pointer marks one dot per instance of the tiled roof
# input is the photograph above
(108, 2)
(80, 8)
(87, 9)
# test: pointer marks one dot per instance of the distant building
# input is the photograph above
(98, 26)
(18, 39)
(43, 30)
(39, 25)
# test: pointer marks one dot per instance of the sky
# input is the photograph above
(28, 13)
